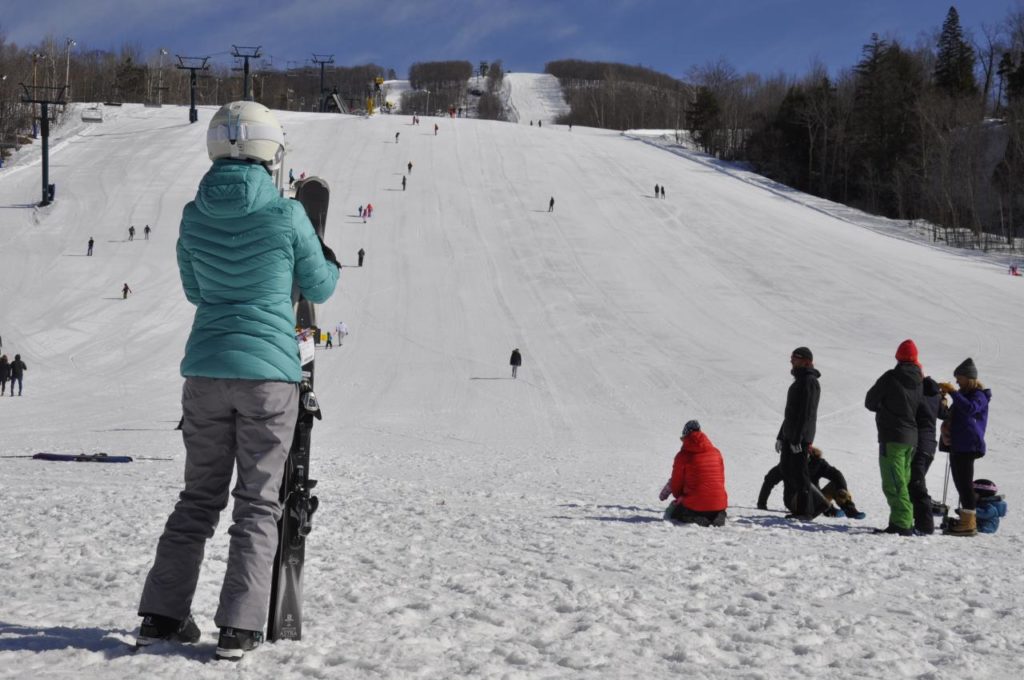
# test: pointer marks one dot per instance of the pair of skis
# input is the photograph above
(285, 620)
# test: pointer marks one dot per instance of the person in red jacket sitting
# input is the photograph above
(697, 482)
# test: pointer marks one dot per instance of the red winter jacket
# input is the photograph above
(698, 475)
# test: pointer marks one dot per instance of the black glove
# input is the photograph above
(328, 253)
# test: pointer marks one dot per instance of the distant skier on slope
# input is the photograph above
(89, 249)
(5, 374)
(515, 361)
(697, 481)
(124, 291)
(551, 204)
(241, 394)
(18, 369)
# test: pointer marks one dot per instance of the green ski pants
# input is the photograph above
(894, 462)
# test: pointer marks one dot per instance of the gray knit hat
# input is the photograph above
(691, 426)
(967, 369)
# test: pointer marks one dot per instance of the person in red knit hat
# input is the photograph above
(894, 399)
(697, 482)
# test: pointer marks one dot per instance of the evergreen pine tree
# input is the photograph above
(704, 118)
(954, 64)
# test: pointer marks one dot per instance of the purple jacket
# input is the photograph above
(969, 416)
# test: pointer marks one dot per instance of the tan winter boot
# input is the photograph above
(967, 525)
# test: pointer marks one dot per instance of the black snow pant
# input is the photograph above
(677, 512)
(962, 467)
(924, 522)
(796, 483)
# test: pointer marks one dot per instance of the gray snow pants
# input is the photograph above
(228, 423)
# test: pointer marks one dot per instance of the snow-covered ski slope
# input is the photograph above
(533, 97)
(475, 526)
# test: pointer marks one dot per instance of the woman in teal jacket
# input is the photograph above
(241, 247)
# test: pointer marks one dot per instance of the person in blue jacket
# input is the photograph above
(240, 247)
(990, 506)
(968, 419)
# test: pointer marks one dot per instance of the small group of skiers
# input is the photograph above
(131, 235)
(366, 212)
(13, 371)
(318, 335)
(908, 406)
(659, 191)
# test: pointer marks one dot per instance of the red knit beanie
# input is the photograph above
(907, 351)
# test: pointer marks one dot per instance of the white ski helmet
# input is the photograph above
(246, 130)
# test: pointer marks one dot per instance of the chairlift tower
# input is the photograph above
(323, 60)
(45, 96)
(192, 64)
(245, 53)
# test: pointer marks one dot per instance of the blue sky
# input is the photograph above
(762, 36)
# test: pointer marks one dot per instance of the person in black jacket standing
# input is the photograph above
(933, 407)
(18, 369)
(894, 399)
(515, 361)
(797, 434)
(5, 373)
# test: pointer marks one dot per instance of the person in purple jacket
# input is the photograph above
(968, 416)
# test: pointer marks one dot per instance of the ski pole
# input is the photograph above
(945, 483)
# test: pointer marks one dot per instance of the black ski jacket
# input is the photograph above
(18, 369)
(801, 417)
(894, 399)
(928, 412)
(516, 359)
(5, 370)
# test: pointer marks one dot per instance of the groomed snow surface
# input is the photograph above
(476, 526)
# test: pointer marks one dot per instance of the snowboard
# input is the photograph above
(285, 618)
(82, 457)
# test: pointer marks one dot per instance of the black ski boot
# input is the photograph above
(235, 642)
(851, 511)
(893, 529)
(156, 628)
